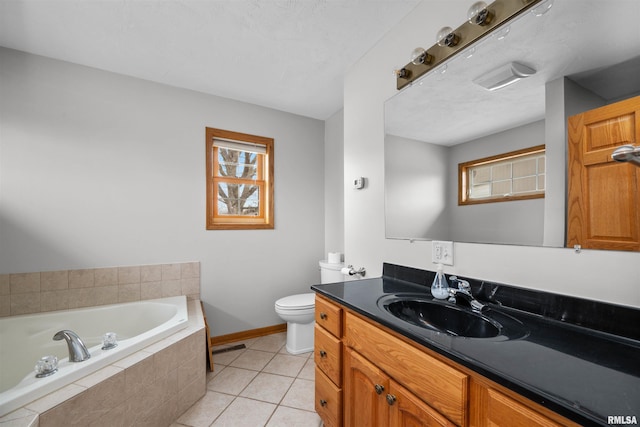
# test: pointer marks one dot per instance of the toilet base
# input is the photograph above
(300, 337)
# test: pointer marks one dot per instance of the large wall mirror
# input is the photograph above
(585, 53)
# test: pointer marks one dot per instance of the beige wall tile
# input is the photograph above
(190, 286)
(25, 303)
(171, 288)
(150, 273)
(128, 293)
(20, 417)
(106, 295)
(24, 282)
(128, 275)
(81, 278)
(189, 270)
(115, 417)
(83, 297)
(189, 369)
(100, 375)
(5, 305)
(150, 290)
(192, 393)
(54, 300)
(105, 276)
(170, 272)
(141, 374)
(165, 361)
(54, 280)
(5, 286)
(56, 398)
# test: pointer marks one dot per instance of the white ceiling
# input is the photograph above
(290, 55)
(572, 39)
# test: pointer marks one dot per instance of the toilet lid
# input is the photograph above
(297, 302)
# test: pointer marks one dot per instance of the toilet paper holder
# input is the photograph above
(352, 271)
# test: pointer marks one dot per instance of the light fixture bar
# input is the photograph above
(503, 11)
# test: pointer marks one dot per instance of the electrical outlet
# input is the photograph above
(442, 252)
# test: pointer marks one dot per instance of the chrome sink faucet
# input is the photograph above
(464, 291)
(77, 350)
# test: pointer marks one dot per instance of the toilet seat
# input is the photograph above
(297, 302)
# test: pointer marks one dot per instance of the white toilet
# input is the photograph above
(299, 310)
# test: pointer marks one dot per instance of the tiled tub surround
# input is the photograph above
(27, 338)
(151, 387)
(26, 293)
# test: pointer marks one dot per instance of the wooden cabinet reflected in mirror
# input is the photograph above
(603, 200)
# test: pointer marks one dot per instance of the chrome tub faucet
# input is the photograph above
(77, 350)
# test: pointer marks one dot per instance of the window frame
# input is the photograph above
(463, 177)
(265, 218)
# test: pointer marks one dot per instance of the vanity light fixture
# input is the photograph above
(482, 20)
(504, 76)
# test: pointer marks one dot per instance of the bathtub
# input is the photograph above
(25, 339)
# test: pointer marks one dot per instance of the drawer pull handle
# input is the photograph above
(379, 388)
(323, 316)
(323, 353)
(323, 403)
(391, 399)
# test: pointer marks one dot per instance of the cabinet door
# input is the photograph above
(603, 206)
(365, 391)
(496, 409)
(406, 410)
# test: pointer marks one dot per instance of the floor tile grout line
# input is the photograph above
(275, 353)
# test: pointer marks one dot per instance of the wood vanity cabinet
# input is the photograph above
(372, 398)
(368, 375)
(328, 359)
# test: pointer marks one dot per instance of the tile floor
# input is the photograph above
(261, 385)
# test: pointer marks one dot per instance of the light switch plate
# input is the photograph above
(442, 252)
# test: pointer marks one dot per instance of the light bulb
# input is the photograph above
(446, 37)
(420, 56)
(479, 14)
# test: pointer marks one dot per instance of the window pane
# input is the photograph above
(524, 185)
(524, 168)
(501, 172)
(237, 164)
(478, 191)
(238, 199)
(501, 188)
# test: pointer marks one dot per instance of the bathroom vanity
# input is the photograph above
(552, 361)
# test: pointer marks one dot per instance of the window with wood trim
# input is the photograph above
(239, 180)
(517, 175)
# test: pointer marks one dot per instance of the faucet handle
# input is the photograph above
(463, 285)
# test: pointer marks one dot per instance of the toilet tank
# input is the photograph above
(330, 272)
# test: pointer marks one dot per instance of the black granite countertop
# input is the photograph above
(586, 374)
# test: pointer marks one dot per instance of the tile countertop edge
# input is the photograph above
(563, 407)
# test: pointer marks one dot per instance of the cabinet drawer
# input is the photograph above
(328, 400)
(443, 387)
(329, 316)
(328, 355)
